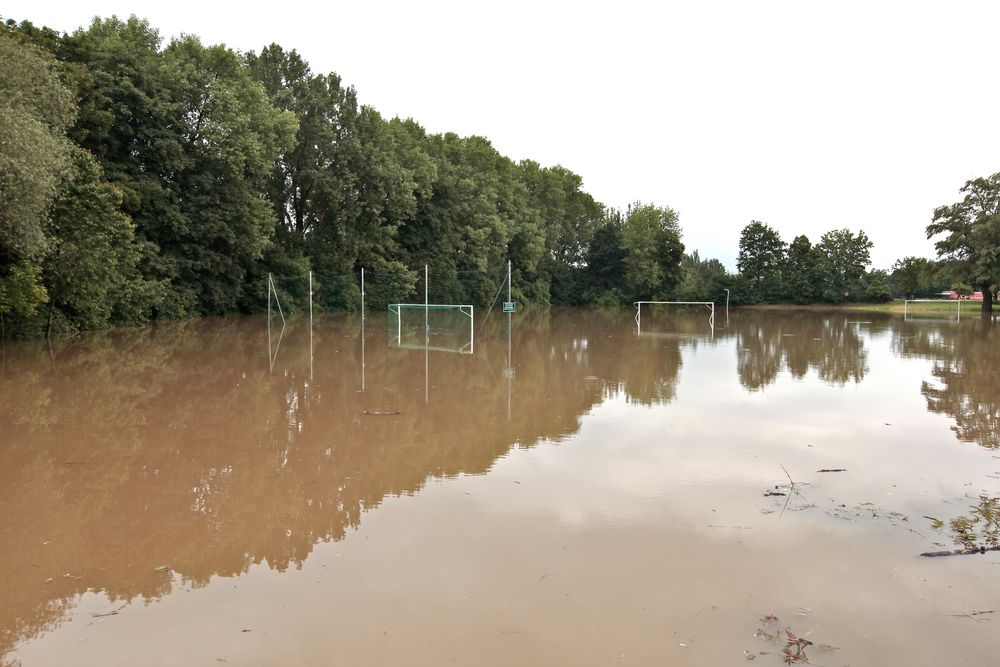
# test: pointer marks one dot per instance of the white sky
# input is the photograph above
(809, 116)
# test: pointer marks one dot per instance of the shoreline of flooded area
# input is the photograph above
(569, 492)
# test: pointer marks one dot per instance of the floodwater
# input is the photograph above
(575, 494)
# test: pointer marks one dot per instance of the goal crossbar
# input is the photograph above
(466, 309)
(708, 304)
(907, 302)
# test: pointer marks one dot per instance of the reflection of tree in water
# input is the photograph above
(768, 342)
(134, 449)
(966, 370)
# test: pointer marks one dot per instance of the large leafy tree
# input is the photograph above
(760, 262)
(651, 238)
(971, 230)
(91, 269)
(604, 275)
(802, 272)
(230, 135)
(702, 279)
(844, 257)
(913, 277)
(567, 218)
(35, 110)
(189, 138)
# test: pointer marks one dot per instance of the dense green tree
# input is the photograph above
(605, 272)
(962, 289)
(702, 279)
(972, 234)
(913, 277)
(876, 286)
(760, 262)
(21, 293)
(188, 137)
(198, 171)
(801, 273)
(128, 120)
(35, 110)
(844, 257)
(651, 238)
(91, 269)
(568, 218)
(231, 136)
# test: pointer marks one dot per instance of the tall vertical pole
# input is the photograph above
(508, 280)
(363, 328)
(960, 308)
(269, 316)
(427, 342)
(510, 361)
(310, 325)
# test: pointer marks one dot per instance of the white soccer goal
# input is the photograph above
(272, 293)
(710, 305)
(958, 302)
(441, 327)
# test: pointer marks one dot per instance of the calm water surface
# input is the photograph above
(574, 494)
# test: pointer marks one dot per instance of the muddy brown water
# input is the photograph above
(576, 495)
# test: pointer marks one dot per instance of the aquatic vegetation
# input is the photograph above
(794, 650)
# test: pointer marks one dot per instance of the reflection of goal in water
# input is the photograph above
(710, 305)
(942, 302)
(440, 327)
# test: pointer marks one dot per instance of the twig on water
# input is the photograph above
(973, 614)
(960, 552)
(792, 490)
(113, 612)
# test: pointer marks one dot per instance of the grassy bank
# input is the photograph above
(943, 307)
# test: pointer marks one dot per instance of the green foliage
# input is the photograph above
(963, 289)
(843, 259)
(35, 110)
(802, 276)
(915, 277)
(971, 231)
(21, 291)
(702, 280)
(605, 272)
(91, 270)
(877, 289)
(230, 135)
(760, 262)
(651, 239)
(186, 174)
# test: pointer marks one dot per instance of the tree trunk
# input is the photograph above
(987, 300)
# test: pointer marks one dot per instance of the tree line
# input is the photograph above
(837, 268)
(143, 180)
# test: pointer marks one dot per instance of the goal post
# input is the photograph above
(710, 305)
(442, 327)
(945, 302)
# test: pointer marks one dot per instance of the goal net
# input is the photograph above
(938, 309)
(674, 318)
(436, 326)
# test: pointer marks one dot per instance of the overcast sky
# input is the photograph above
(809, 116)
